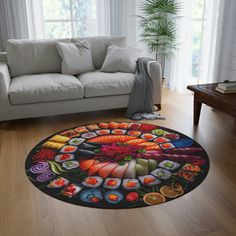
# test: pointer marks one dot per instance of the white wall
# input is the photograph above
(227, 61)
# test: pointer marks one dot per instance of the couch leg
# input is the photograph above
(158, 107)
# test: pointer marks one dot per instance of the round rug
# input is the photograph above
(117, 165)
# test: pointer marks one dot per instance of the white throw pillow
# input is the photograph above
(76, 57)
(120, 59)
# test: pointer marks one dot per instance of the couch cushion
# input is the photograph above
(44, 88)
(33, 56)
(121, 59)
(98, 46)
(98, 83)
(76, 58)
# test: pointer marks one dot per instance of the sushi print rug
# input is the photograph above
(117, 165)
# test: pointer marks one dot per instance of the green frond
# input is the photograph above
(158, 25)
(160, 6)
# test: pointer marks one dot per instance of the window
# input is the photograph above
(198, 20)
(69, 18)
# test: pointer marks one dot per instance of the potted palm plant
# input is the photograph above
(158, 26)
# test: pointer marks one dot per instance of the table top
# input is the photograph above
(210, 90)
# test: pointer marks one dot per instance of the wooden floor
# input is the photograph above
(208, 210)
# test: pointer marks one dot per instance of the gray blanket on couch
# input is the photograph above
(140, 100)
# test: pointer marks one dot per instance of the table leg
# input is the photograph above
(197, 111)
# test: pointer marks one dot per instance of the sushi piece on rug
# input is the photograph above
(104, 125)
(59, 139)
(103, 131)
(147, 127)
(134, 126)
(111, 139)
(106, 170)
(76, 141)
(120, 170)
(134, 133)
(169, 165)
(167, 146)
(114, 125)
(123, 125)
(118, 131)
(64, 157)
(147, 144)
(161, 173)
(69, 149)
(161, 140)
(131, 172)
(130, 184)
(96, 167)
(58, 183)
(149, 180)
(81, 129)
(148, 136)
(92, 196)
(70, 165)
(159, 132)
(88, 135)
(93, 127)
(50, 144)
(92, 182)
(112, 183)
(141, 168)
(135, 141)
(114, 196)
(193, 168)
(71, 133)
(71, 190)
(187, 175)
(152, 164)
(86, 164)
(172, 136)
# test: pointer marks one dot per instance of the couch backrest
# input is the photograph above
(98, 46)
(41, 56)
(33, 56)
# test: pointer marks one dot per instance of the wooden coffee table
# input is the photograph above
(206, 93)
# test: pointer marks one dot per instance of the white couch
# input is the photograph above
(31, 83)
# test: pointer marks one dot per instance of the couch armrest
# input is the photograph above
(3, 57)
(4, 80)
(154, 70)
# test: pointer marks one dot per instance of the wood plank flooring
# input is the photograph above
(208, 210)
